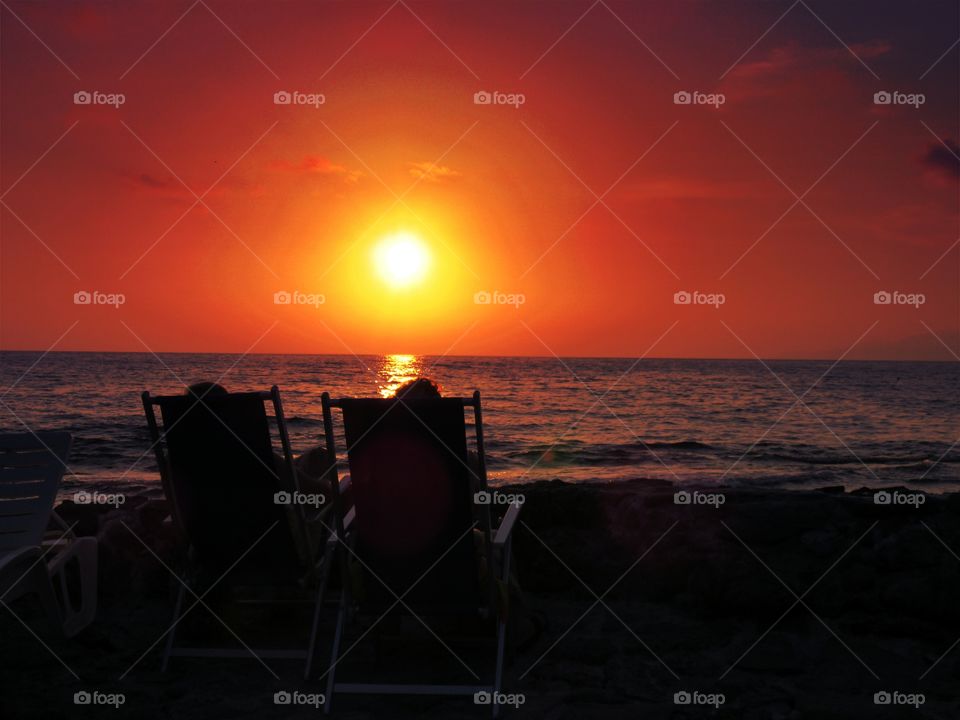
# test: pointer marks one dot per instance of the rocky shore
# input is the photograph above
(748, 604)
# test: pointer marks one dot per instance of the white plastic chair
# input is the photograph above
(33, 561)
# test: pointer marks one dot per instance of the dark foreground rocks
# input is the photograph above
(762, 605)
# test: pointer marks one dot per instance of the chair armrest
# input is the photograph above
(347, 523)
(505, 531)
(343, 487)
(349, 518)
(53, 545)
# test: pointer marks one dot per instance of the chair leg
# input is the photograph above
(501, 630)
(29, 575)
(39, 582)
(498, 672)
(334, 655)
(84, 551)
(168, 647)
(311, 650)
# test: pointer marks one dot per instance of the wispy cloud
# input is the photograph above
(318, 165)
(432, 173)
(166, 185)
(767, 75)
(169, 186)
(944, 157)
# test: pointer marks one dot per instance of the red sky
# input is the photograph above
(294, 198)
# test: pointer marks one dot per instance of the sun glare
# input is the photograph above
(396, 370)
(401, 259)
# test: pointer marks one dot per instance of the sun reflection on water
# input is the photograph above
(396, 370)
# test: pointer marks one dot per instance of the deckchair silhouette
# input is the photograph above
(33, 561)
(230, 503)
(415, 530)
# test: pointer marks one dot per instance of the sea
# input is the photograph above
(797, 425)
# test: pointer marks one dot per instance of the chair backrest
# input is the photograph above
(221, 475)
(31, 467)
(412, 492)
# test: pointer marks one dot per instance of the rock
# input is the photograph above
(84, 518)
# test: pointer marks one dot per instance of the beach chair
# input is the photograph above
(33, 561)
(412, 545)
(231, 502)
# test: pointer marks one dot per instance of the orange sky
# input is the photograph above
(504, 198)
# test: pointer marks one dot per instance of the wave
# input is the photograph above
(297, 420)
(681, 445)
(597, 454)
(903, 456)
(908, 455)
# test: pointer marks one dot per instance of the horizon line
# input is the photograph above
(502, 357)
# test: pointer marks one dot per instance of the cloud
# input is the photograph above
(767, 75)
(871, 49)
(432, 172)
(785, 59)
(155, 183)
(944, 157)
(319, 165)
(146, 182)
(169, 186)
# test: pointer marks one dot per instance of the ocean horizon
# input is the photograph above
(792, 424)
(830, 359)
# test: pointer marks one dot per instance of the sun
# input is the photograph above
(401, 259)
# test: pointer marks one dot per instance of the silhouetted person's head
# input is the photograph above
(206, 389)
(418, 389)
